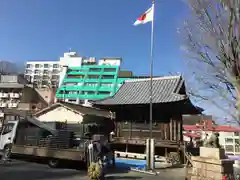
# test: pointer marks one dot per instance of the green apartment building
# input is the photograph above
(91, 81)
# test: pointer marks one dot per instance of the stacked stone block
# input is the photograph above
(212, 164)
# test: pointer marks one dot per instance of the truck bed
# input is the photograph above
(67, 154)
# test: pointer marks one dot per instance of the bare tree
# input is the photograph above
(211, 39)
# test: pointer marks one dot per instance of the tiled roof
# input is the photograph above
(192, 128)
(193, 135)
(226, 129)
(215, 129)
(137, 91)
(77, 108)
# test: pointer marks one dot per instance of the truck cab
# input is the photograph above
(7, 136)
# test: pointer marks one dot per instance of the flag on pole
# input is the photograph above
(146, 17)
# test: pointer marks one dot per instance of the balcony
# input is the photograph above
(55, 71)
(2, 105)
(14, 95)
(3, 95)
(37, 72)
(46, 72)
(12, 105)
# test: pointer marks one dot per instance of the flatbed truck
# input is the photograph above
(9, 145)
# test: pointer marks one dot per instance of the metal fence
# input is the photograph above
(65, 137)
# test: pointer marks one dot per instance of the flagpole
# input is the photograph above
(151, 73)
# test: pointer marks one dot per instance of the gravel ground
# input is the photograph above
(23, 170)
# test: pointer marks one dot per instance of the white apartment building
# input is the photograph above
(48, 73)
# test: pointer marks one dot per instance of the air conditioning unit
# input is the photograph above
(1, 114)
(5, 95)
(16, 95)
(10, 105)
(3, 105)
(14, 105)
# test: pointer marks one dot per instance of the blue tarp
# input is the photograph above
(130, 163)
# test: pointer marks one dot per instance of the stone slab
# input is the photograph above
(204, 173)
(214, 153)
(225, 168)
(212, 161)
(203, 178)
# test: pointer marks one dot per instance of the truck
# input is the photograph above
(27, 136)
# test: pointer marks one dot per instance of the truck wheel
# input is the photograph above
(53, 163)
(7, 152)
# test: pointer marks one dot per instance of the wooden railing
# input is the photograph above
(163, 131)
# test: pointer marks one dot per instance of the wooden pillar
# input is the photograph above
(174, 130)
(171, 129)
(166, 152)
(180, 129)
(165, 131)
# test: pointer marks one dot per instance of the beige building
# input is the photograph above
(71, 113)
(17, 94)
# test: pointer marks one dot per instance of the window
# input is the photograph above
(109, 70)
(28, 72)
(54, 83)
(75, 76)
(72, 92)
(228, 140)
(61, 92)
(91, 84)
(28, 65)
(37, 72)
(37, 65)
(108, 77)
(104, 93)
(55, 65)
(7, 128)
(36, 82)
(93, 76)
(236, 133)
(36, 77)
(237, 141)
(94, 69)
(78, 70)
(46, 65)
(45, 72)
(55, 77)
(55, 71)
(45, 77)
(45, 83)
(237, 148)
(107, 84)
(90, 92)
(229, 148)
(70, 84)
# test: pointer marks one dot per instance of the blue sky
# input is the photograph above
(45, 29)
